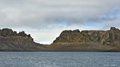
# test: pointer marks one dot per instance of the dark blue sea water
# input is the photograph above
(59, 59)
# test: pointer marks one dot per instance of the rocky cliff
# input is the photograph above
(88, 40)
(69, 40)
(12, 41)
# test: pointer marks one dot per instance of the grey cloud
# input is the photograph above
(41, 13)
(112, 23)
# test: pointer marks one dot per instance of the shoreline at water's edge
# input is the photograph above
(67, 41)
(50, 51)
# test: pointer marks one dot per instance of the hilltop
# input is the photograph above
(69, 40)
(12, 41)
(88, 40)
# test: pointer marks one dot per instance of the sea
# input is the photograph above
(59, 59)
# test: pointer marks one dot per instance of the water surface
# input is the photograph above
(59, 59)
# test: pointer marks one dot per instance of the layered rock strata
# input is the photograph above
(12, 41)
(87, 40)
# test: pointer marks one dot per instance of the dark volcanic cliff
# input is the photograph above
(12, 41)
(88, 40)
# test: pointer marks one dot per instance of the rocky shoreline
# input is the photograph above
(68, 41)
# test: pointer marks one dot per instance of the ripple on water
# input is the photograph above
(59, 59)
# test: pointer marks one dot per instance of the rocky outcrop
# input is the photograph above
(86, 40)
(89, 40)
(12, 41)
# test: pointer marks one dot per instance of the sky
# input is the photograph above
(46, 19)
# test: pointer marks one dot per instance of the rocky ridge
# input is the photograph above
(69, 40)
(87, 40)
(12, 41)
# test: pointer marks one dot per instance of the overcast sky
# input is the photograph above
(46, 19)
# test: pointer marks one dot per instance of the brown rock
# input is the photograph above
(102, 40)
(12, 41)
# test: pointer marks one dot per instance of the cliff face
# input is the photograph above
(11, 40)
(87, 40)
(93, 40)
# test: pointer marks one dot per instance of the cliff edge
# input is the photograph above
(69, 41)
(12, 41)
(88, 40)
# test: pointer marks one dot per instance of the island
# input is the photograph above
(68, 41)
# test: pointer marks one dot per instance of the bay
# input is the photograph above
(59, 59)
